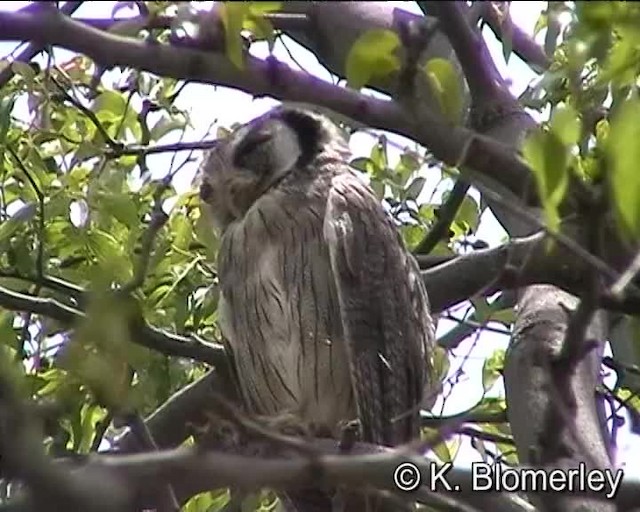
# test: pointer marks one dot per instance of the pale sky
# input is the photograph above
(228, 106)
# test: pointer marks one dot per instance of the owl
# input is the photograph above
(321, 304)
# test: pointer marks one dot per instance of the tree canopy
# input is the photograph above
(112, 367)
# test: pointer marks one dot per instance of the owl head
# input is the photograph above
(259, 155)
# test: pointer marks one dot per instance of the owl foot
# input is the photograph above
(349, 435)
(287, 424)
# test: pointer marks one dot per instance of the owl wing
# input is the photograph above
(384, 309)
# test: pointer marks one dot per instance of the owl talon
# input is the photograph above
(349, 435)
(288, 425)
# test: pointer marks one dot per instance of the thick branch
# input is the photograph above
(521, 262)
(273, 78)
(33, 49)
(219, 469)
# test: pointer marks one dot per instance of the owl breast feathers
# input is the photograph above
(322, 306)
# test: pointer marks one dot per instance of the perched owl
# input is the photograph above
(322, 306)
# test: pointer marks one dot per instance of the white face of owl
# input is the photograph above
(257, 155)
(239, 169)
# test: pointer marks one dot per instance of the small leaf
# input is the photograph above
(90, 415)
(262, 29)
(17, 220)
(483, 309)
(378, 188)
(6, 107)
(541, 23)
(506, 27)
(109, 106)
(547, 157)
(412, 235)
(119, 206)
(469, 214)
(504, 316)
(166, 125)
(378, 156)
(565, 124)
(446, 87)
(260, 26)
(624, 154)
(413, 191)
(362, 164)
(24, 70)
(372, 55)
(233, 17)
(492, 369)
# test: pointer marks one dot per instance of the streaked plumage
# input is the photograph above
(324, 309)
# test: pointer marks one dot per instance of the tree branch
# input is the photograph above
(155, 339)
(33, 49)
(520, 262)
(273, 78)
(499, 21)
(216, 469)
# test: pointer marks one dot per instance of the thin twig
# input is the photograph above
(446, 213)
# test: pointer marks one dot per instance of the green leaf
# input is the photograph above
(446, 450)
(468, 214)
(207, 501)
(363, 164)
(408, 164)
(547, 157)
(504, 316)
(482, 308)
(372, 55)
(507, 39)
(413, 191)
(109, 106)
(24, 70)
(119, 206)
(8, 334)
(541, 23)
(260, 26)
(622, 60)
(6, 107)
(89, 416)
(412, 235)
(233, 17)
(182, 231)
(492, 369)
(378, 188)
(548, 153)
(262, 29)
(623, 152)
(446, 87)
(565, 124)
(10, 226)
(379, 156)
